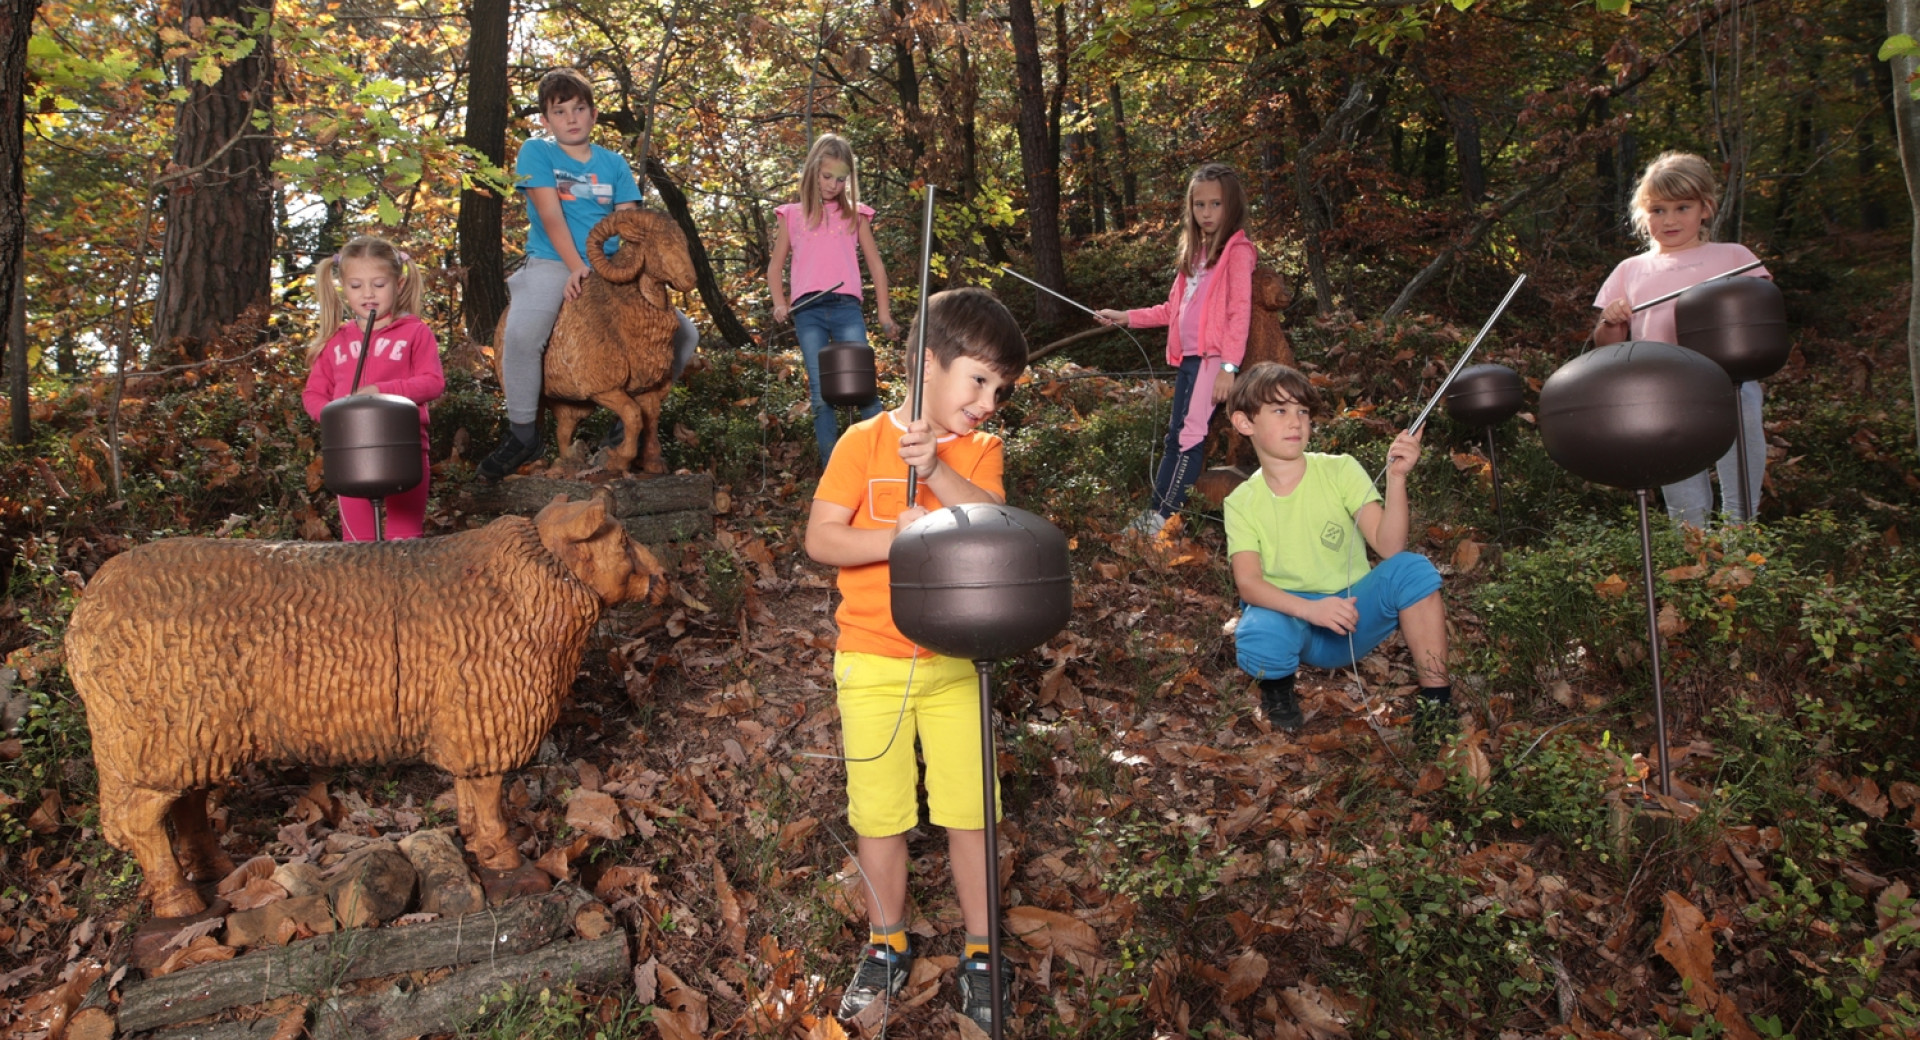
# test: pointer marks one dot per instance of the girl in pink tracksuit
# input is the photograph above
(1206, 318)
(403, 358)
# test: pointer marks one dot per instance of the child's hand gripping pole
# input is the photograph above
(920, 339)
(366, 342)
(1457, 367)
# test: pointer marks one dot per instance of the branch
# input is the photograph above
(1480, 227)
(1097, 330)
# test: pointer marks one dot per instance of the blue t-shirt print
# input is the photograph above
(582, 187)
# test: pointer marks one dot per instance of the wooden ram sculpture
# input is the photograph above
(612, 346)
(197, 655)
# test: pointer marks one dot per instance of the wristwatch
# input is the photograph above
(1229, 367)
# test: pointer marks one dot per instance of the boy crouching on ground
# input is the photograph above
(976, 351)
(1292, 534)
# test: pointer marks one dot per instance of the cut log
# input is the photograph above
(93, 1019)
(373, 888)
(455, 1001)
(446, 888)
(258, 1029)
(661, 528)
(316, 964)
(674, 493)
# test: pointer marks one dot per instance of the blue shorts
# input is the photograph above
(1273, 645)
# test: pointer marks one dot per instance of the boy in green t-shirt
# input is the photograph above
(1293, 532)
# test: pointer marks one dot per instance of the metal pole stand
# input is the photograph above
(1653, 645)
(1746, 510)
(988, 773)
(1493, 465)
(379, 519)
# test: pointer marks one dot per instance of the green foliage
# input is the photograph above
(1557, 786)
(513, 1014)
(1082, 446)
(1439, 957)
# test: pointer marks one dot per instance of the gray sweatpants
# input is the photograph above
(536, 292)
(1691, 500)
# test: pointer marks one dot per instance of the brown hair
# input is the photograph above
(1272, 383)
(972, 322)
(1674, 177)
(1193, 241)
(407, 289)
(563, 85)
(828, 146)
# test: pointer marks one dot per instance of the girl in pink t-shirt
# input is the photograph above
(827, 231)
(403, 358)
(1206, 317)
(1673, 209)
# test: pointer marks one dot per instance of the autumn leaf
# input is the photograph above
(1671, 623)
(1685, 943)
(1860, 792)
(1611, 587)
(1051, 930)
(733, 923)
(596, 813)
(1245, 973)
(1466, 556)
(257, 867)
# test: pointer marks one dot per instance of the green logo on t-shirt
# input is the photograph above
(1333, 536)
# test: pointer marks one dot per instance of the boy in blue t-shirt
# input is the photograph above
(570, 183)
(1293, 534)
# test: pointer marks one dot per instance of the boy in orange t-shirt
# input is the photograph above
(890, 690)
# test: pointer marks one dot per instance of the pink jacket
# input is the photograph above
(1226, 306)
(405, 360)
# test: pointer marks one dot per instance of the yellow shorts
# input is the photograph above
(942, 710)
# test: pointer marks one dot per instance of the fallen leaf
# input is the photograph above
(1308, 1005)
(257, 867)
(1859, 791)
(204, 950)
(1612, 587)
(1466, 556)
(1051, 930)
(1685, 943)
(1245, 973)
(1671, 623)
(596, 813)
(733, 930)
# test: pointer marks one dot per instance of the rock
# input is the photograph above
(445, 886)
(279, 923)
(299, 879)
(374, 887)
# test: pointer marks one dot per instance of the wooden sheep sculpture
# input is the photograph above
(198, 655)
(1266, 341)
(612, 346)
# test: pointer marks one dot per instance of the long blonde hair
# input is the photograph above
(1233, 196)
(828, 146)
(1675, 177)
(326, 288)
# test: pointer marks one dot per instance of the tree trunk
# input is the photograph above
(1123, 153)
(906, 83)
(485, 276)
(718, 308)
(1903, 16)
(217, 257)
(22, 430)
(16, 24)
(1039, 165)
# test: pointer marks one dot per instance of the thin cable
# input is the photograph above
(1153, 457)
(898, 721)
(886, 926)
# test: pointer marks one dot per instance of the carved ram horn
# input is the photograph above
(630, 260)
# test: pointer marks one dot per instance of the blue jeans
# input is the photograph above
(837, 319)
(1179, 469)
(1272, 645)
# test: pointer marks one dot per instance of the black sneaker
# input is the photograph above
(512, 454)
(882, 971)
(976, 991)
(1281, 706)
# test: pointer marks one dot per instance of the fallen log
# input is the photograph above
(323, 962)
(455, 1001)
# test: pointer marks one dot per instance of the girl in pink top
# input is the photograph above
(403, 359)
(822, 231)
(1673, 212)
(1206, 318)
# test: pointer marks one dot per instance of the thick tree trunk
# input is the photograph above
(906, 83)
(16, 24)
(218, 254)
(1903, 16)
(480, 211)
(1039, 164)
(21, 428)
(718, 308)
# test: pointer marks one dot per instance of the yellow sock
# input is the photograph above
(895, 938)
(976, 946)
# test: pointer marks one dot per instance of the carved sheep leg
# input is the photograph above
(637, 422)
(199, 851)
(140, 822)
(567, 417)
(651, 461)
(482, 824)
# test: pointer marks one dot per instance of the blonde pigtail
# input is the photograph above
(327, 294)
(413, 288)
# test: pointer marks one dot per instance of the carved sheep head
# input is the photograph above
(599, 551)
(653, 249)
